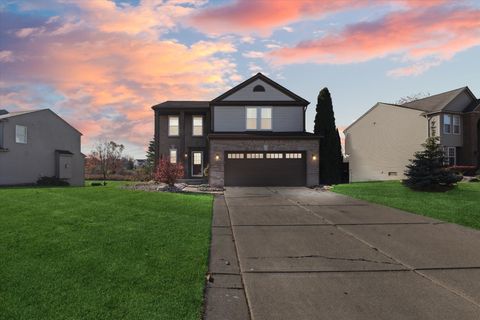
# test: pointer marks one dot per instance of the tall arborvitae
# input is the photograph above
(150, 163)
(427, 170)
(331, 157)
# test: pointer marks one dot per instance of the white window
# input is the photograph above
(254, 155)
(197, 126)
(266, 118)
(20, 134)
(173, 126)
(456, 124)
(235, 156)
(293, 156)
(274, 156)
(251, 118)
(173, 155)
(450, 156)
(447, 124)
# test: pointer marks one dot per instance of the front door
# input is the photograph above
(197, 164)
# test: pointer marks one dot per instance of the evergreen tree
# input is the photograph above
(150, 162)
(330, 152)
(427, 170)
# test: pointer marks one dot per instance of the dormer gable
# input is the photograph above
(259, 88)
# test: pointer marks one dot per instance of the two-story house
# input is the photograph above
(252, 135)
(380, 143)
(39, 143)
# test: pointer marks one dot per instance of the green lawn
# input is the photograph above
(102, 253)
(460, 205)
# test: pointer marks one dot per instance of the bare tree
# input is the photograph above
(412, 97)
(107, 154)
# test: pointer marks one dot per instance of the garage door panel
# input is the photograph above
(243, 171)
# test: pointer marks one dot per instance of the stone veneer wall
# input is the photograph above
(219, 146)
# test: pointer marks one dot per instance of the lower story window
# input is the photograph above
(450, 156)
(235, 156)
(274, 155)
(293, 155)
(173, 155)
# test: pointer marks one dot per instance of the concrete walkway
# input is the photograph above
(297, 253)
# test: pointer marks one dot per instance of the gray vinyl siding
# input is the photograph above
(229, 119)
(247, 94)
(232, 119)
(1, 134)
(459, 103)
(451, 139)
(287, 119)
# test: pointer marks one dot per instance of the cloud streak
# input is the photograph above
(105, 77)
(425, 37)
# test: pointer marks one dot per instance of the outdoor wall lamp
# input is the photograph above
(217, 157)
(314, 157)
(186, 155)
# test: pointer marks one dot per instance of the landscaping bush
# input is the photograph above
(464, 170)
(427, 171)
(168, 172)
(51, 181)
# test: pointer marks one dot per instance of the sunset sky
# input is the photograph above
(102, 64)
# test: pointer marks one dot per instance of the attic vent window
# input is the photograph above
(258, 88)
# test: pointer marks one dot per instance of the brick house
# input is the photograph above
(252, 135)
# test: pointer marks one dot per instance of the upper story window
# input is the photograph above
(258, 88)
(456, 124)
(20, 134)
(451, 124)
(197, 125)
(262, 113)
(447, 123)
(251, 118)
(173, 126)
(266, 118)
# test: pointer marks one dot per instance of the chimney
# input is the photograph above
(3, 111)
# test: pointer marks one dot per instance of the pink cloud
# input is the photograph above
(425, 36)
(262, 16)
(109, 80)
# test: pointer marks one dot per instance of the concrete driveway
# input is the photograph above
(297, 253)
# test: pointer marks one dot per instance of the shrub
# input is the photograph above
(51, 181)
(427, 170)
(168, 172)
(463, 170)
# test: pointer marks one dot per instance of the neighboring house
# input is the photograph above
(381, 142)
(139, 163)
(38, 143)
(252, 135)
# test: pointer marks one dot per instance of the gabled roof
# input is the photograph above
(21, 113)
(18, 113)
(437, 102)
(260, 76)
(472, 106)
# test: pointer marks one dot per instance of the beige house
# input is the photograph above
(39, 143)
(380, 143)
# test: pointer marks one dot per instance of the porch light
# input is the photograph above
(314, 157)
(217, 157)
(186, 155)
